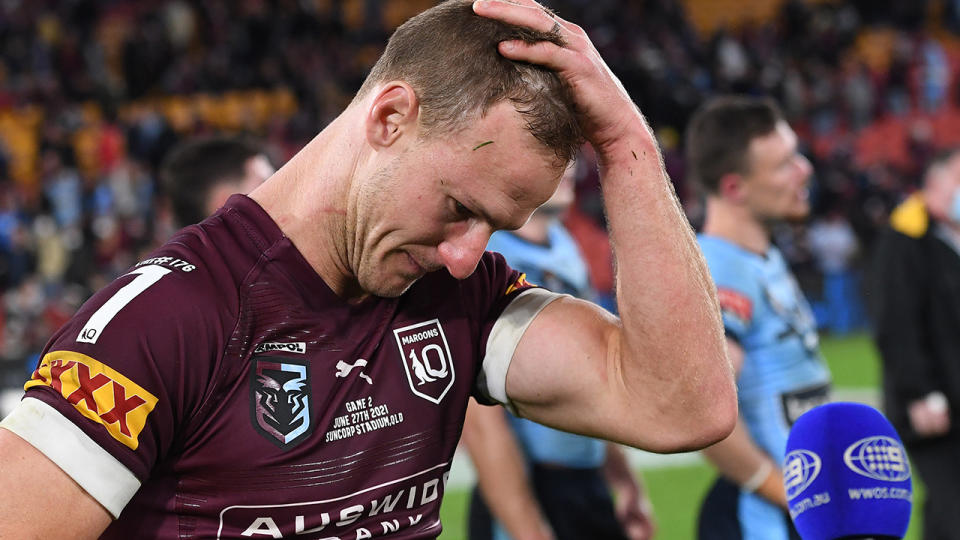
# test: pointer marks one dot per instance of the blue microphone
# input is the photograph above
(847, 475)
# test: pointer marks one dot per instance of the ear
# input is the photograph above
(393, 112)
(731, 187)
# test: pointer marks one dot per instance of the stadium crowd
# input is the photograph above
(93, 94)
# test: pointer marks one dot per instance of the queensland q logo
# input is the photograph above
(426, 359)
(879, 457)
(800, 469)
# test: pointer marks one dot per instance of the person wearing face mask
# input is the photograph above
(917, 325)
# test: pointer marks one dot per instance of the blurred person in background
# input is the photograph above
(834, 246)
(535, 482)
(200, 174)
(744, 155)
(917, 317)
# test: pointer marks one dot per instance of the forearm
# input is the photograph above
(901, 342)
(616, 470)
(745, 464)
(672, 337)
(627, 489)
(632, 507)
(501, 474)
(659, 378)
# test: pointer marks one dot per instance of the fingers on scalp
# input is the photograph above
(556, 23)
(527, 14)
(541, 52)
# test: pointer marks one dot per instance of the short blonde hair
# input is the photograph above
(449, 56)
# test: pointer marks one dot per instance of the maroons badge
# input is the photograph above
(426, 359)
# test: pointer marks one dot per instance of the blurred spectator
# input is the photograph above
(918, 334)
(935, 74)
(15, 260)
(834, 246)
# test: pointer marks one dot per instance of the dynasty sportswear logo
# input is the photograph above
(98, 392)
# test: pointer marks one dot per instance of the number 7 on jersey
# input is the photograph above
(146, 276)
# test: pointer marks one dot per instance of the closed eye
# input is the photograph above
(460, 211)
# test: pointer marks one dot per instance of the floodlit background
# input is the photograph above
(93, 93)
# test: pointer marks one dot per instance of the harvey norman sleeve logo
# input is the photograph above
(98, 392)
(426, 359)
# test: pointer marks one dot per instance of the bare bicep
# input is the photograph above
(561, 361)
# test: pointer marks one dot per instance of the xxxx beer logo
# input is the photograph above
(98, 392)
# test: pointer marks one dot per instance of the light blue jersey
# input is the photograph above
(783, 374)
(559, 267)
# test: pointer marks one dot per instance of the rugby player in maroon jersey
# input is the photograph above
(298, 364)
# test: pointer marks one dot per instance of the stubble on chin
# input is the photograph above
(385, 291)
(384, 286)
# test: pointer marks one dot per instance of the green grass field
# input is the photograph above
(676, 491)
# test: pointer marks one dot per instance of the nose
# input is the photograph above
(461, 251)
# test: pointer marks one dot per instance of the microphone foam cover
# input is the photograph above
(846, 473)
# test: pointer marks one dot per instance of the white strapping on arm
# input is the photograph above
(93, 468)
(505, 336)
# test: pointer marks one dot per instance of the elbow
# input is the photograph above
(698, 422)
(707, 432)
(717, 411)
(716, 424)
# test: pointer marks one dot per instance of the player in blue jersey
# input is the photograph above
(535, 482)
(745, 156)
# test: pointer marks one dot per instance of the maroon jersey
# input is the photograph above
(221, 390)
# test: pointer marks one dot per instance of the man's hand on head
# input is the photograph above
(607, 114)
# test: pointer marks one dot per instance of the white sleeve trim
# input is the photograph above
(505, 336)
(98, 473)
